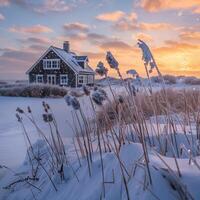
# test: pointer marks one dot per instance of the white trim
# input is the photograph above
(50, 82)
(84, 79)
(39, 76)
(51, 48)
(50, 62)
(90, 79)
(64, 75)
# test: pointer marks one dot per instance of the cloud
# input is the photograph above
(35, 40)
(52, 5)
(129, 22)
(179, 57)
(115, 45)
(4, 3)
(15, 62)
(197, 10)
(32, 29)
(126, 25)
(76, 27)
(190, 36)
(37, 47)
(155, 26)
(157, 5)
(111, 16)
(41, 40)
(142, 36)
(1, 17)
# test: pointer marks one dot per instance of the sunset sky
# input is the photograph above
(171, 28)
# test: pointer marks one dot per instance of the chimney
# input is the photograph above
(66, 46)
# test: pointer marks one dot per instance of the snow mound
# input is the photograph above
(78, 185)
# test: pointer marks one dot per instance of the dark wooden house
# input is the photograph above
(61, 67)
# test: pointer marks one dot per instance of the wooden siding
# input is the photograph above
(64, 69)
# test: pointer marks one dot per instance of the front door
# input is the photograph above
(51, 79)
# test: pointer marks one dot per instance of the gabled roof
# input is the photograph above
(81, 58)
(70, 59)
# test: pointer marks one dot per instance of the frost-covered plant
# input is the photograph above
(86, 90)
(132, 88)
(147, 55)
(68, 99)
(72, 101)
(112, 61)
(132, 72)
(98, 96)
(101, 70)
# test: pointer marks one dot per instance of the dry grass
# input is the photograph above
(159, 103)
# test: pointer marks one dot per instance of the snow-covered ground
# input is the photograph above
(12, 143)
(165, 181)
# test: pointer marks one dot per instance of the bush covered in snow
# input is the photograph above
(169, 79)
(32, 90)
(192, 80)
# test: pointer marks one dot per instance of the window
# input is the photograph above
(51, 79)
(82, 79)
(39, 78)
(51, 63)
(90, 79)
(64, 79)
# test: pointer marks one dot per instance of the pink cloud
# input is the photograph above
(76, 27)
(157, 5)
(32, 29)
(4, 2)
(111, 16)
(52, 5)
(1, 17)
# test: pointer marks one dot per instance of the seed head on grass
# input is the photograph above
(112, 61)
(68, 99)
(147, 55)
(19, 119)
(72, 101)
(132, 72)
(86, 90)
(75, 103)
(29, 109)
(101, 70)
(45, 106)
(121, 99)
(99, 96)
(47, 117)
(19, 110)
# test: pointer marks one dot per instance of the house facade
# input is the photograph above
(61, 67)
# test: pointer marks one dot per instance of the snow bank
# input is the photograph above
(78, 185)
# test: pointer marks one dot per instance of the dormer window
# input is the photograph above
(51, 63)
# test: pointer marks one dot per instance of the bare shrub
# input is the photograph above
(192, 80)
(33, 90)
(169, 79)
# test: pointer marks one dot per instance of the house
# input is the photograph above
(61, 67)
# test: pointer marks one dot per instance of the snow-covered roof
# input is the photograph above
(70, 58)
(80, 58)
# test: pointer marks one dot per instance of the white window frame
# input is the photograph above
(83, 79)
(61, 80)
(48, 64)
(37, 78)
(90, 79)
(51, 75)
